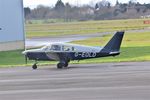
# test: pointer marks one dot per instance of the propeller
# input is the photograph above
(25, 55)
(26, 59)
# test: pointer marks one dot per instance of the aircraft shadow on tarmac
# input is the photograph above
(80, 66)
(86, 66)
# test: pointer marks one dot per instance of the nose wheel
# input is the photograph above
(34, 66)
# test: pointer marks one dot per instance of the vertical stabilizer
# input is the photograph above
(114, 44)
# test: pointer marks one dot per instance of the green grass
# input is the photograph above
(87, 27)
(46, 21)
(11, 58)
(16, 58)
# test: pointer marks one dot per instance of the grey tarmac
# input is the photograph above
(105, 81)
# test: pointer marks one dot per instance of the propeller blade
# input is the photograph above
(26, 59)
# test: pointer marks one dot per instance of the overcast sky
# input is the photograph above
(34, 3)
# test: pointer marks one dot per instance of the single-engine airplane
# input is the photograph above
(65, 52)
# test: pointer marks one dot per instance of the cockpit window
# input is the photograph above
(55, 47)
(68, 48)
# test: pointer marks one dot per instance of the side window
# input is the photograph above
(68, 48)
(55, 48)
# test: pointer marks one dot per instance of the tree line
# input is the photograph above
(101, 10)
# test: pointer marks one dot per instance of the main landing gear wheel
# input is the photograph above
(66, 65)
(34, 66)
(62, 65)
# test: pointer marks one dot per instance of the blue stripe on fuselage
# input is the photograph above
(71, 55)
(37, 56)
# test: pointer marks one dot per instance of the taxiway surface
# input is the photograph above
(41, 41)
(107, 81)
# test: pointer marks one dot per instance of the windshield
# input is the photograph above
(45, 48)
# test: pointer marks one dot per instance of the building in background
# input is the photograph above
(11, 25)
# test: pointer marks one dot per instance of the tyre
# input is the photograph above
(60, 65)
(66, 65)
(34, 66)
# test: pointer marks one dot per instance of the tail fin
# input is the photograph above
(114, 44)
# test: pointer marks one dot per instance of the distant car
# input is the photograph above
(65, 52)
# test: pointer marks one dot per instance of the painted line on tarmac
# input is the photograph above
(140, 88)
(53, 79)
